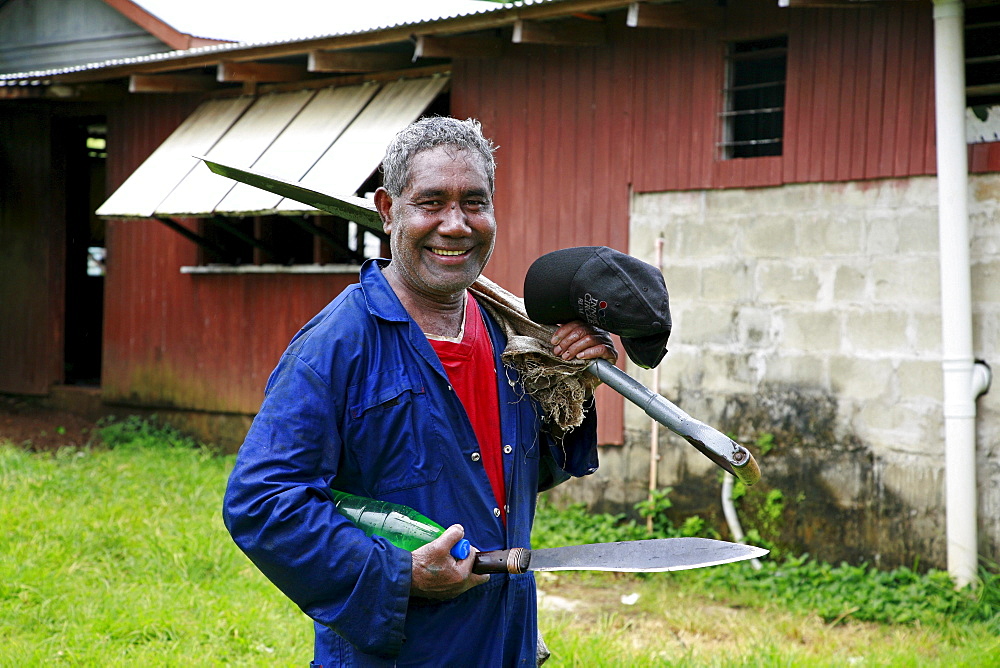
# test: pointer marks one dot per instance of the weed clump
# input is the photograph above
(138, 432)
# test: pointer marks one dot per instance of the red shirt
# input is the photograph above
(470, 367)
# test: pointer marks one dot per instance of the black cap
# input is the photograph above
(606, 289)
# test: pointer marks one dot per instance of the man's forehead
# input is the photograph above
(433, 167)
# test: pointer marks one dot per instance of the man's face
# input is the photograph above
(441, 226)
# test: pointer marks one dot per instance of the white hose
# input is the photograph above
(729, 510)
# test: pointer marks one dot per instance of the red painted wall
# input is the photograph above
(180, 340)
(32, 242)
(578, 128)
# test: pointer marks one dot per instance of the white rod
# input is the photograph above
(956, 301)
(654, 429)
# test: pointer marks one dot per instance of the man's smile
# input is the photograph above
(446, 252)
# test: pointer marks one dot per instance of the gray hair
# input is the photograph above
(428, 133)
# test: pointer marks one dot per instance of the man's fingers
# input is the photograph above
(437, 574)
(576, 340)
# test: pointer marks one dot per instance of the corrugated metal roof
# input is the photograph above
(266, 21)
(348, 129)
(308, 30)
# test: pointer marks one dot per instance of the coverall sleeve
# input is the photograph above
(277, 511)
(570, 455)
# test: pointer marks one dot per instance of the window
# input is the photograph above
(754, 98)
(294, 242)
(286, 240)
(982, 56)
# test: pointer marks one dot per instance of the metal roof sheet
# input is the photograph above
(333, 138)
(148, 185)
(265, 21)
(295, 151)
(358, 152)
(307, 31)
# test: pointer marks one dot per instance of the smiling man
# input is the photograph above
(397, 391)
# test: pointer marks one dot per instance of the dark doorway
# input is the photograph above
(85, 154)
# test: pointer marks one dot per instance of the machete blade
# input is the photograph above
(643, 556)
(361, 211)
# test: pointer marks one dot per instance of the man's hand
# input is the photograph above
(578, 340)
(437, 574)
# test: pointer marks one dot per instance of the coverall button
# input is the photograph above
(496, 512)
(475, 456)
(507, 449)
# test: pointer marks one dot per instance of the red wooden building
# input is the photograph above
(592, 102)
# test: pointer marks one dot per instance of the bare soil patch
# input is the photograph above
(28, 424)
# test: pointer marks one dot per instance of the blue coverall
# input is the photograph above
(359, 402)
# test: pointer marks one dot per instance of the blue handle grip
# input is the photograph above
(461, 549)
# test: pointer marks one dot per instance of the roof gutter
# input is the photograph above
(964, 378)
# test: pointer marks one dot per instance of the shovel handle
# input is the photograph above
(724, 451)
(514, 561)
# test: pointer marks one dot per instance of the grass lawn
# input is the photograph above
(113, 557)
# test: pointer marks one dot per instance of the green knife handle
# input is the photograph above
(514, 561)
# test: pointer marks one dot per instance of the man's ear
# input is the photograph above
(383, 203)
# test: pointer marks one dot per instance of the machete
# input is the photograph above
(724, 451)
(634, 556)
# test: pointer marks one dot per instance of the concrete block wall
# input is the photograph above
(810, 313)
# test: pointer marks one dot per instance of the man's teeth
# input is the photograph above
(441, 251)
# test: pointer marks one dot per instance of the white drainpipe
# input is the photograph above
(964, 379)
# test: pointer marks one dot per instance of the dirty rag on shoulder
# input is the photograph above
(562, 387)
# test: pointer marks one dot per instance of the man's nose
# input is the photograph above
(454, 220)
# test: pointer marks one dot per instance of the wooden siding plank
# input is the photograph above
(833, 68)
(876, 66)
(924, 161)
(706, 86)
(904, 146)
(798, 96)
(847, 101)
(860, 45)
(891, 98)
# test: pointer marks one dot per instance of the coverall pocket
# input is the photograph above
(398, 444)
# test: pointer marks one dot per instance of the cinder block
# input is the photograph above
(882, 237)
(812, 331)
(926, 327)
(753, 327)
(699, 324)
(986, 282)
(714, 239)
(683, 282)
(919, 232)
(831, 233)
(860, 379)
(727, 282)
(917, 481)
(803, 370)
(781, 282)
(877, 332)
(920, 378)
(731, 373)
(770, 236)
(849, 284)
(729, 200)
(905, 281)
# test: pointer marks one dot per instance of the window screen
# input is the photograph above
(754, 98)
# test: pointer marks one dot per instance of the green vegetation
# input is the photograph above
(119, 557)
(116, 555)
